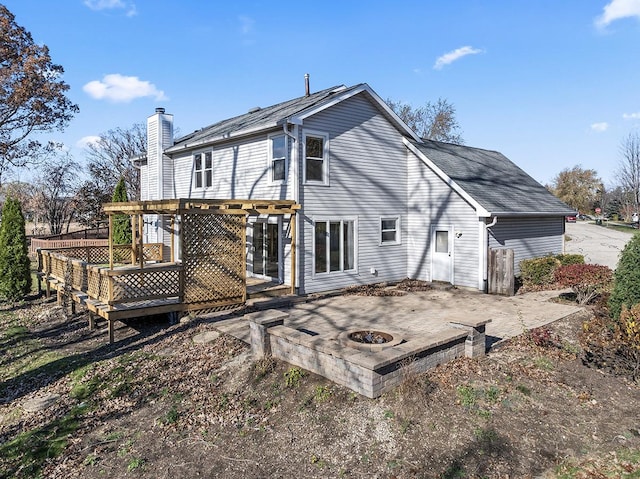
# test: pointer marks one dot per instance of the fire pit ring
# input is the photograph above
(369, 339)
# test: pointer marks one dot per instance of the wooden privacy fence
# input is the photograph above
(501, 272)
(37, 243)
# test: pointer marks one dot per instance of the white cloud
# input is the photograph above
(99, 5)
(246, 24)
(120, 88)
(617, 9)
(600, 127)
(87, 140)
(454, 55)
(631, 116)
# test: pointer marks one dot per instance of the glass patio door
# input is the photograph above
(266, 250)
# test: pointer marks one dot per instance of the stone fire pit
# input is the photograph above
(369, 340)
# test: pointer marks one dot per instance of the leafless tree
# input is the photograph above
(32, 96)
(55, 191)
(108, 159)
(628, 172)
(433, 121)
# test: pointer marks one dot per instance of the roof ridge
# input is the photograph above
(424, 140)
(269, 109)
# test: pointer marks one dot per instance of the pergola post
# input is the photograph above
(110, 241)
(134, 230)
(292, 222)
(140, 241)
(172, 258)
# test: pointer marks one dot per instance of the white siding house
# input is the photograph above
(377, 202)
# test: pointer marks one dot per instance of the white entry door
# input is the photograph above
(442, 253)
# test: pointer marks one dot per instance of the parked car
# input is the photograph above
(570, 219)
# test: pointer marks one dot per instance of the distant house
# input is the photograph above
(377, 203)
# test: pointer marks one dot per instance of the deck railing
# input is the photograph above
(76, 267)
(122, 254)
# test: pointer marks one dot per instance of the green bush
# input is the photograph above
(538, 271)
(121, 223)
(567, 259)
(15, 267)
(626, 287)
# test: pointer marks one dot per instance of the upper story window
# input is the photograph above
(203, 169)
(277, 158)
(316, 159)
(389, 230)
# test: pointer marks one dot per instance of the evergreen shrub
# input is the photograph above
(15, 266)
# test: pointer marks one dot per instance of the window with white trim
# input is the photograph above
(203, 170)
(334, 245)
(316, 159)
(389, 230)
(277, 158)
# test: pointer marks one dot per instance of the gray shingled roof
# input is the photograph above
(258, 119)
(493, 180)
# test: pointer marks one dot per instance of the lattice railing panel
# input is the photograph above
(58, 267)
(213, 258)
(79, 275)
(152, 251)
(97, 284)
(146, 284)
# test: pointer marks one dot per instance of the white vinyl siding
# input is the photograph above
(433, 202)
(368, 177)
(240, 170)
(529, 237)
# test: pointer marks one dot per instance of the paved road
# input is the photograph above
(598, 244)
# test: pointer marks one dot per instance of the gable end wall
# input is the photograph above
(432, 202)
(367, 176)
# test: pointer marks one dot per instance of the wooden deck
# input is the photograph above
(126, 291)
(116, 282)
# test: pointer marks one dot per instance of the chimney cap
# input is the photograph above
(160, 110)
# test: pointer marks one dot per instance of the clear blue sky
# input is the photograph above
(551, 84)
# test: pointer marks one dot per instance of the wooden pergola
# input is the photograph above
(139, 281)
(137, 209)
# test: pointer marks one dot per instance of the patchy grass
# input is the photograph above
(163, 405)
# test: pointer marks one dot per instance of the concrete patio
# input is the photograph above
(417, 313)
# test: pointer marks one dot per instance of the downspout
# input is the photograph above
(295, 191)
(485, 251)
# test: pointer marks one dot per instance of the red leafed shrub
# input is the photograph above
(586, 280)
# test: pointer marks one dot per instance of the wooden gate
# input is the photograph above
(500, 272)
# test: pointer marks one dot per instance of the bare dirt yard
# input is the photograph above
(159, 405)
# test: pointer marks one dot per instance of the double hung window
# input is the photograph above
(316, 159)
(203, 170)
(277, 158)
(389, 230)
